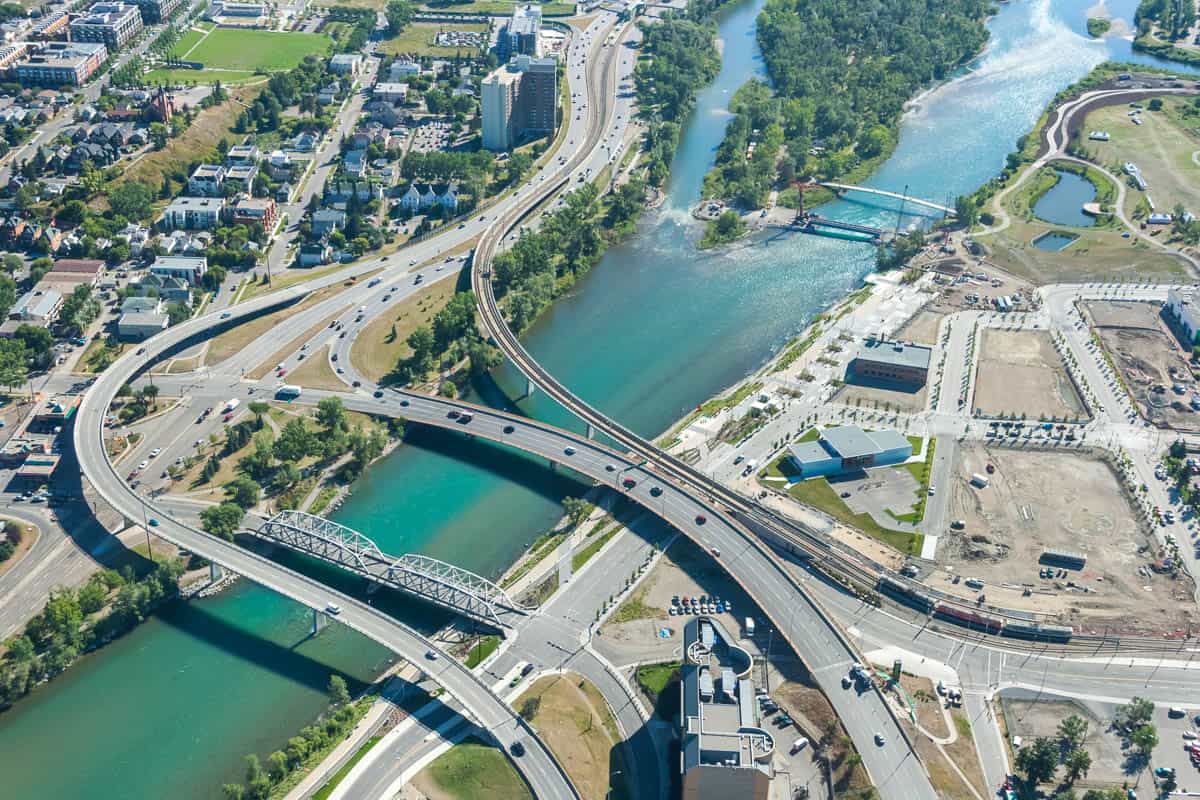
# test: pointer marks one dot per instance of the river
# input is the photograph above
(654, 329)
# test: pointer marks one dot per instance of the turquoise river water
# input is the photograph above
(169, 710)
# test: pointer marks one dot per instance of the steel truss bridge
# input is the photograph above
(446, 585)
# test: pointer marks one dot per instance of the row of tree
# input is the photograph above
(70, 624)
(330, 728)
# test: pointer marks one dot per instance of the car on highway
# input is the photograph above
(378, 393)
(716, 551)
(569, 451)
(431, 655)
(154, 453)
(701, 519)
(333, 608)
(517, 749)
(879, 740)
(143, 465)
(509, 428)
(226, 314)
(629, 483)
(153, 521)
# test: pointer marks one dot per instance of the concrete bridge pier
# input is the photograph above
(320, 621)
(591, 431)
(529, 387)
(215, 572)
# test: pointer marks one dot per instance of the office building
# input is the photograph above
(520, 34)
(206, 181)
(62, 64)
(724, 750)
(112, 24)
(519, 101)
(848, 448)
(1183, 306)
(892, 362)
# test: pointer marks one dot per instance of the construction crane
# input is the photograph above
(801, 186)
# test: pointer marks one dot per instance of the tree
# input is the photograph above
(1156, 104)
(233, 791)
(399, 14)
(1145, 739)
(80, 309)
(1039, 761)
(287, 476)
(131, 200)
(1077, 762)
(242, 491)
(965, 211)
(13, 363)
(223, 520)
(577, 510)
(483, 356)
(258, 408)
(295, 441)
(277, 766)
(331, 414)
(1135, 713)
(339, 695)
(1072, 731)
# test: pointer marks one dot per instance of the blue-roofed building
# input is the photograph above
(848, 448)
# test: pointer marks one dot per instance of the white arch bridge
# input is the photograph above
(842, 188)
(446, 585)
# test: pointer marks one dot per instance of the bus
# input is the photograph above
(287, 392)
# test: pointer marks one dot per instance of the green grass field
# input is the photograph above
(250, 50)
(198, 77)
(418, 39)
(190, 39)
(497, 7)
(473, 771)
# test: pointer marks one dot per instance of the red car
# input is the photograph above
(228, 416)
(629, 483)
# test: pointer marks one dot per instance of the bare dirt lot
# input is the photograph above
(881, 397)
(923, 328)
(986, 283)
(1064, 501)
(1030, 719)
(1020, 372)
(1149, 358)
(632, 632)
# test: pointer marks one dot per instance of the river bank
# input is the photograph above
(653, 307)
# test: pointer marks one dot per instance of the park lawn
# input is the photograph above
(473, 771)
(195, 77)
(480, 650)
(267, 366)
(235, 339)
(315, 373)
(584, 555)
(236, 49)
(385, 339)
(818, 493)
(190, 38)
(653, 678)
(502, 8)
(575, 722)
(418, 37)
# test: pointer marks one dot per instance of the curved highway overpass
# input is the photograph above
(538, 766)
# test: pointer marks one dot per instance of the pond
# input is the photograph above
(1063, 204)
(1053, 241)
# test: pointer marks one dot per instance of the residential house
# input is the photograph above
(207, 181)
(401, 69)
(328, 94)
(137, 236)
(314, 253)
(345, 64)
(355, 163)
(390, 92)
(338, 192)
(305, 141)
(242, 174)
(247, 210)
(280, 165)
(171, 289)
(326, 220)
(283, 193)
(424, 196)
(242, 154)
(141, 305)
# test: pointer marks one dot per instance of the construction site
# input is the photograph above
(1021, 518)
(1152, 365)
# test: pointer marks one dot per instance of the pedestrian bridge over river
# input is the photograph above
(446, 585)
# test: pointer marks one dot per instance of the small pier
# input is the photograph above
(823, 226)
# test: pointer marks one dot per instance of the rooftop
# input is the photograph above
(849, 441)
(898, 353)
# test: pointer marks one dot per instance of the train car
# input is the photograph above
(967, 618)
(1035, 632)
(904, 594)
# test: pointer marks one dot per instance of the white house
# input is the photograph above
(423, 196)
